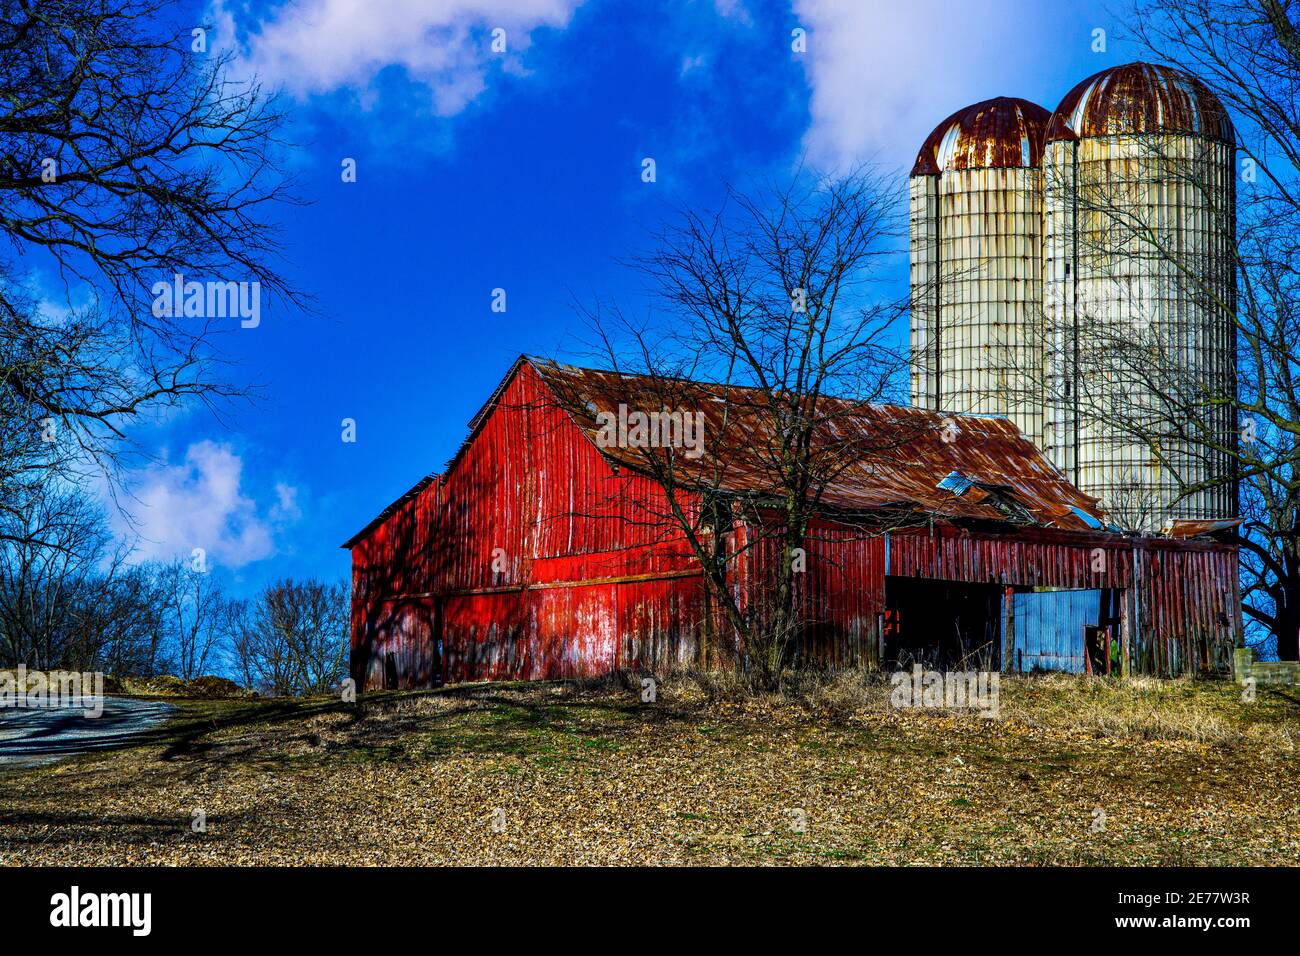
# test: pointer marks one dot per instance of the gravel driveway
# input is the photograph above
(36, 736)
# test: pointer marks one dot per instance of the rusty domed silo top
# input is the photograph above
(1140, 98)
(1004, 131)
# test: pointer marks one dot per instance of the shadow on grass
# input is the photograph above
(492, 720)
(497, 718)
(31, 830)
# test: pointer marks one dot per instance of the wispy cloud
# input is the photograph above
(323, 46)
(882, 75)
(201, 502)
(733, 10)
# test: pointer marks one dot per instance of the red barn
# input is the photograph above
(538, 553)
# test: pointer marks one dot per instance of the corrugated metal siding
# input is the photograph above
(1183, 597)
(1048, 627)
(1022, 559)
(1189, 609)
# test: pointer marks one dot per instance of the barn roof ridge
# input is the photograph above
(535, 359)
(1000, 456)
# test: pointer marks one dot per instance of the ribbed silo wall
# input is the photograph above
(1058, 439)
(1139, 298)
(976, 273)
(924, 231)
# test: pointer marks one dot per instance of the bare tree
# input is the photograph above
(766, 330)
(192, 606)
(129, 160)
(129, 157)
(291, 640)
(239, 630)
(122, 620)
(46, 569)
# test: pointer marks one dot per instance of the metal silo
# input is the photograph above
(1139, 294)
(976, 262)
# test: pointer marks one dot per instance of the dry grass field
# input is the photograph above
(1074, 771)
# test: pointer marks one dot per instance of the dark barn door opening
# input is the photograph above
(943, 624)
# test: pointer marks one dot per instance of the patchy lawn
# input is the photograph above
(1184, 773)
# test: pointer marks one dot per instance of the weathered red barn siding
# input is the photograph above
(1189, 607)
(591, 576)
(588, 577)
(1182, 605)
(1023, 557)
(402, 636)
(844, 597)
(1180, 610)
(390, 565)
(841, 594)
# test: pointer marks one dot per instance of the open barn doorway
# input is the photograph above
(945, 625)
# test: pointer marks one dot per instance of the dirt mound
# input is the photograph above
(209, 685)
(164, 685)
(168, 685)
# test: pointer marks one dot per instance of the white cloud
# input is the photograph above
(318, 46)
(733, 10)
(690, 64)
(883, 74)
(286, 507)
(201, 503)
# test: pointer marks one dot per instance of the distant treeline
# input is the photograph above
(71, 598)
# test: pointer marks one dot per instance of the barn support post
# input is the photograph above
(1008, 628)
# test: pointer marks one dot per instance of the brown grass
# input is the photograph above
(712, 772)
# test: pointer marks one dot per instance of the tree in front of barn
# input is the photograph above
(771, 299)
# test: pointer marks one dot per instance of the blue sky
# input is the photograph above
(479, 170)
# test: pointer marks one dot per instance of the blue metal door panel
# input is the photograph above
(1049, 629)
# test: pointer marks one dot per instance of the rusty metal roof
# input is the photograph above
(1002, 132)
(892, 457)
(1140, 98)
(1196, 528)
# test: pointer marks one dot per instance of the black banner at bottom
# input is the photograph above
(353, 905)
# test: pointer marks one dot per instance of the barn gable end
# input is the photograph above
(525, 559)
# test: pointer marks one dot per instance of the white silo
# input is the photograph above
(976, 262)
(1139, 294)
